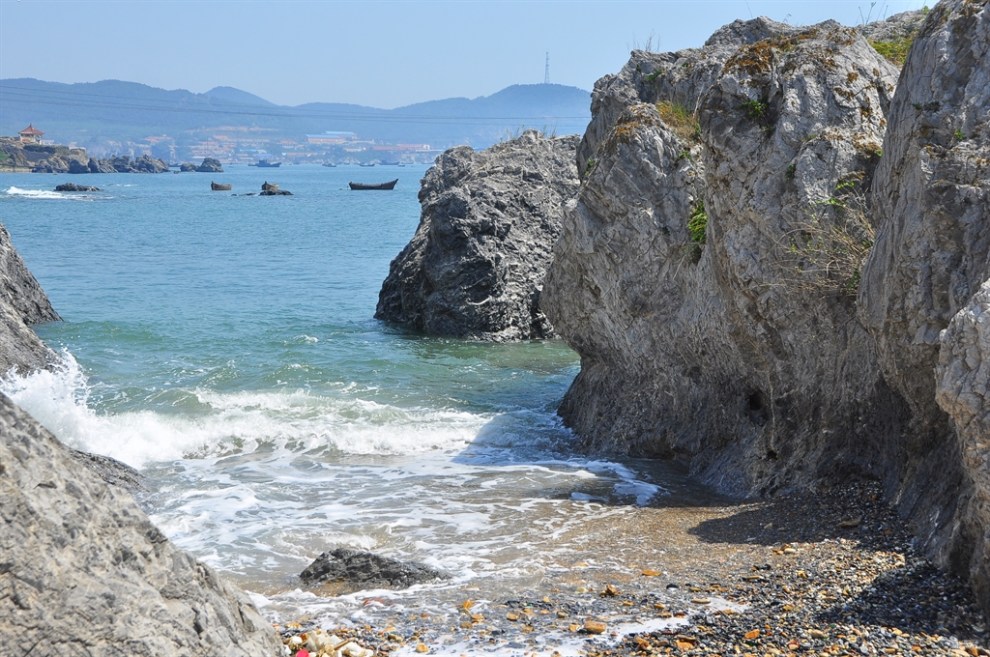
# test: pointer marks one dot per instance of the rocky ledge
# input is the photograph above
(22, 303)
(476, 264)
(711, 273)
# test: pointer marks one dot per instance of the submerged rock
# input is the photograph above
(360, 570)
(476, 264)
(72, 187)
(271, 189)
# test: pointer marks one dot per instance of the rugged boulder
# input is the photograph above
(710, 274)
(84, 571)
(210, 165)
(356, 570)
(476, 264)
(124, 164)
(22, 303)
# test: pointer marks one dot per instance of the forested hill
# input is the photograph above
(112, 110)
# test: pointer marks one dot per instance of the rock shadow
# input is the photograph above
(915, 598)
(852, 512)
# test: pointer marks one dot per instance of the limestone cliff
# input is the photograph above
(707, 273)
(710, 273)
(476, 264)
(923, 294)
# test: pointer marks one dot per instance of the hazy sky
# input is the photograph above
(380, 53)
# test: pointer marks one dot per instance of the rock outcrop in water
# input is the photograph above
(476, 264)
(710, 273)
(82, 569)
(356, 570)
(46, 158)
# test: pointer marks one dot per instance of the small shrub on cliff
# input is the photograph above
(679, 119)
(756, 110)
(698, 222)
(894, 51)
(826, 251)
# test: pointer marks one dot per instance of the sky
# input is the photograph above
(381, 53)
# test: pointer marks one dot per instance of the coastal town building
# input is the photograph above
(30, 135)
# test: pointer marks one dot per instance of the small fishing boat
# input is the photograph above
(385, 185)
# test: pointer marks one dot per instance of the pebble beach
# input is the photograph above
(828, 573)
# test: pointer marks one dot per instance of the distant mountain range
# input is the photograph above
(113, 111)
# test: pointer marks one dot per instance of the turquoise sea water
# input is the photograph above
(225, 345)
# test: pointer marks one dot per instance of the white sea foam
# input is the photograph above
(294, 420)
(45, 194)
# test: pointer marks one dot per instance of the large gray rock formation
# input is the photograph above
(922, 294)
(707, 272)
(22, 303)
(476, 264)
(84, 572)
(710, 276)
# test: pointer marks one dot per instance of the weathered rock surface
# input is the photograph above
(40, 157)
(963, 392)
(476, 264)
(710, 276)
(695, 274)
(22, 303)
(360, 570)
(904, 25)
(84, 572)
(924, 276)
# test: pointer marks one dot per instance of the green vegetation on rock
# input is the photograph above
(894, 51)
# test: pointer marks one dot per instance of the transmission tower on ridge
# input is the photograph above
(546, 70)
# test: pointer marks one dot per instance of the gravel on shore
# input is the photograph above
(815, 574)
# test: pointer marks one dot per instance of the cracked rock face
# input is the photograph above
(924, 294)
(22, 302)
(706, 273)
(712, 276)
(476, 264)
(82, 568)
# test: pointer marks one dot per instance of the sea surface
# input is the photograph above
(224, 344)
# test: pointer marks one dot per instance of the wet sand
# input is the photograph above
(831, 573)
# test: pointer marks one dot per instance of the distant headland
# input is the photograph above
(112, 118)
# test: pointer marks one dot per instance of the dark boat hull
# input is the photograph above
(364, 186)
